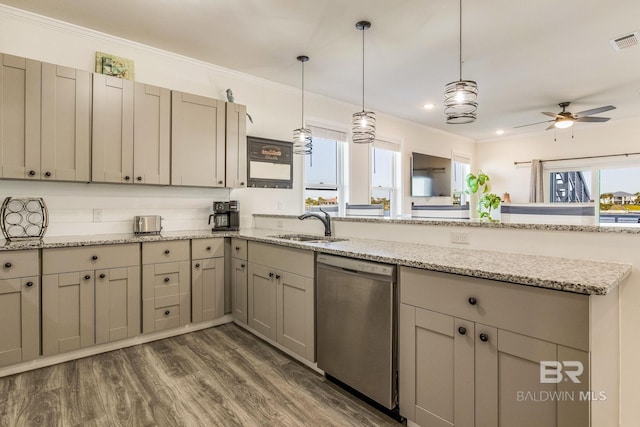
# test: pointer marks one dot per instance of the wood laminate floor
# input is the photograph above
(221, 376)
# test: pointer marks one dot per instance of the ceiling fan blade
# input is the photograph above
(546, 113)
(551, 126)
(596, 110)
(592, 119)
(531, 124)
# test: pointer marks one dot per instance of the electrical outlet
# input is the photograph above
(97, 215)
(459, 237)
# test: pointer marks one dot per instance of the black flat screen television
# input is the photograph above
(430, 175)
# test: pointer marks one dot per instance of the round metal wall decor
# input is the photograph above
(23, 218)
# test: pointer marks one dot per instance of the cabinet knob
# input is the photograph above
(242, 183)
(484, 337)
(32, 173)
(473, 301)
(29, 284)
(270, 274)
(127, 178)
(241, 265)
(95, 257)
(139, 178)
(237, 248)
(208, 248)
(87, 277)
(277, 276)
(167, 312)
(197, 265)
(220, 182)
(47, 173)
(167, 251)
(102, 275)
(166, 279)
(7, 265)
(462, 330)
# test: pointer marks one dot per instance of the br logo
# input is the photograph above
(553, 372)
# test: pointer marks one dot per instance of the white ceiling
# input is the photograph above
(527, 56)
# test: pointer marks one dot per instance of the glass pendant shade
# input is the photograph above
(302, 141)
(460, 101)
(363, 123)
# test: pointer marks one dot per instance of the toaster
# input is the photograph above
(147, 224)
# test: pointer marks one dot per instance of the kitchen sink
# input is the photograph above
(307, 238)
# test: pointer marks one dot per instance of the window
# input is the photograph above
(385, 157)
(323, 171)
(620, 195)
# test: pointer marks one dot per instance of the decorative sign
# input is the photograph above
(269, 163)
(112, 65)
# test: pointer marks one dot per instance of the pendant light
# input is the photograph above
(302, 137)
(460, 96)
(363, 124)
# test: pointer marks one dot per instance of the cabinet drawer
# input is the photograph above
(161, 280)
(239, 248)
(297, 261)
(559, 317)
(18, 264)
(157, 252)
(167, 317)
(207, 248)
(61, 260)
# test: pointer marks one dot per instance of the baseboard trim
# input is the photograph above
(116, 345)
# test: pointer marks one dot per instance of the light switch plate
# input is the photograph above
(460, 237)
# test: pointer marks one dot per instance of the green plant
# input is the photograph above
(480, 184)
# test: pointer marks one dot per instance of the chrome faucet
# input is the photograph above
(326, 220)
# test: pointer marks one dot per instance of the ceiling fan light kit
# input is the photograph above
(302, 141)
(565, 119)
(460, 96)
(363, 123)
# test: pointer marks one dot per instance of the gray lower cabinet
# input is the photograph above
(239, 280)
(90, 295)
(166, 285)
(19, 306)
(281, 296)
(471, 353)
(207, 279)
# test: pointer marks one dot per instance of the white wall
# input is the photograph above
(273, 107)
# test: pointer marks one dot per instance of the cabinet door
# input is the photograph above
(262, 300)
(66, 123)
(112, 154)
(236, 142)
(436, 368)
(152, 124)
(19, 117)
(19, 320)
(239, 289)
(295, 314)
(118, 304)
(207, 289)
(197, 140)
(67, 312)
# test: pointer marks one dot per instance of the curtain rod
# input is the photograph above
(581, 158)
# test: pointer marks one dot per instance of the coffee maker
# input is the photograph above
(225, 216)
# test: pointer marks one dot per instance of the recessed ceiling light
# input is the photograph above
(429, 106)
(499, 132)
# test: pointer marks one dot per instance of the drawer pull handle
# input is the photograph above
(197, 265)
(168, 312)
(167, 251)
(484, 337)
(102, 276)
(95, 257)
(7, 265)
(166, 279)
(270, 274)
(87, 277)
(462, 330)
(208, 248)
(278, 276)
(29, 284)
(473, 301)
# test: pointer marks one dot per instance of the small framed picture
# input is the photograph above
(116, 66)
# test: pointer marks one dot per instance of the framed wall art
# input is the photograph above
(116, 66)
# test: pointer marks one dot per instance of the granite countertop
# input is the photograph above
(564, 274)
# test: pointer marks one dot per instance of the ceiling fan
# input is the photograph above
(565, 119)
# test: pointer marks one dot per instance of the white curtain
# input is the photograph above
(536, 194)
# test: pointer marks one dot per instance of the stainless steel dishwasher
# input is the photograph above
(356, 325)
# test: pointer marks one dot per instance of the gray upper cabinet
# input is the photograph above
(152, 133)
(197, 140)
(236, 140)
(66, 123)
(112, 156)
